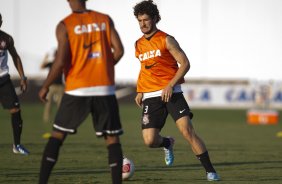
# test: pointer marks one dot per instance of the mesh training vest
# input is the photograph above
(158, 66)
(92, 61)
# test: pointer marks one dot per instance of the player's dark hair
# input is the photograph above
(147, 7)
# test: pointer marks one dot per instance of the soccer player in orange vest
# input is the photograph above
(159, 88)
(88, 49)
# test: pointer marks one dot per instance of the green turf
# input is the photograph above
(241, 153)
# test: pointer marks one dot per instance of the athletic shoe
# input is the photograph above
(20, 149)
(169, 157)
(211, 176)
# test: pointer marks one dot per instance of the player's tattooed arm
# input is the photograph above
(179, 55)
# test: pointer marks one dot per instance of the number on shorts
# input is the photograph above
(146, 109)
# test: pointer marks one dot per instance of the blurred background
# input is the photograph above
(234, 46)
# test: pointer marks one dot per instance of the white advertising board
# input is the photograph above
(233, 95)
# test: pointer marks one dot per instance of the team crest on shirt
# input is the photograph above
(145, 119)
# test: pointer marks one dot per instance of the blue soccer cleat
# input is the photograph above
(169, 157)
(20, 149)
(211, 176)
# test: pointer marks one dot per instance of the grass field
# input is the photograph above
(241, 153)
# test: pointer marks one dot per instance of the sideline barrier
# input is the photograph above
(262, 117)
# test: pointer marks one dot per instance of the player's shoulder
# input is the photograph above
(163, 34)
(138, 41)
(6, 39)
(5, 35)
(168, 37)
(101, 14)
(141, 38)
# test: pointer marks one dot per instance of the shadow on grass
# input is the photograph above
(145, 168)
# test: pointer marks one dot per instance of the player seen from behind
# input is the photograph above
(88, 48)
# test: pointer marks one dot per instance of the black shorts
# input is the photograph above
(155, 111)
(74, 110)
(8, 96)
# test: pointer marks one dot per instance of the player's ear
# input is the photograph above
(155, 18)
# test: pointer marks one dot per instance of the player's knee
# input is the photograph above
(150, 142)
(14, 110)
(59, 135)
(112, 139)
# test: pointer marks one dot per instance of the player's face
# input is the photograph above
(146, 23)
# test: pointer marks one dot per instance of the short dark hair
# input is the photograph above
(147, 7)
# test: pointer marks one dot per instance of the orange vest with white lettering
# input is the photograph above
(92, 62)
(158, 66)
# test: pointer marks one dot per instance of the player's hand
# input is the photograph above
(167, 93)
(43, 93)
(23, 85)
(138, 99)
